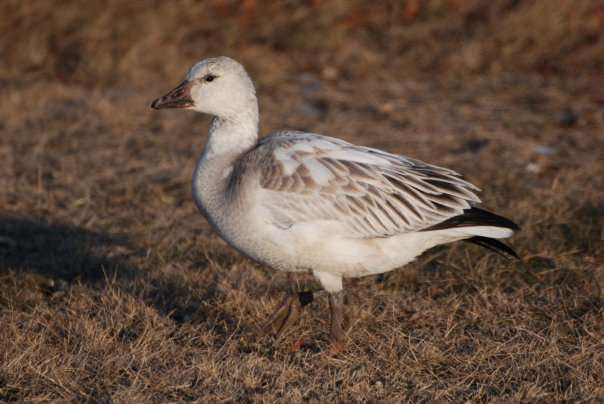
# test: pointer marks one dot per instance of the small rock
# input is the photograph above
(318, 108)
(474, 145)
(567, 118)
(546, 150)
(533, 168)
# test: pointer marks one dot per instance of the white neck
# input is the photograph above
(232, 135)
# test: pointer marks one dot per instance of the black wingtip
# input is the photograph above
(494, 245)
(475, 217)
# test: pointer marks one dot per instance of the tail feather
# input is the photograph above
(493, 245)
(483, 228)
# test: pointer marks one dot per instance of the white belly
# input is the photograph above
(323, 247)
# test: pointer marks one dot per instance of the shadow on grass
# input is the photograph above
(49, 257)
(63, 252)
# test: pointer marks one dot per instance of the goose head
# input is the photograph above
(217, 86)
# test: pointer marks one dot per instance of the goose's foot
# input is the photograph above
(287, 313)
(336, 332)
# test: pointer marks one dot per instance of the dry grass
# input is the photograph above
(113, 288)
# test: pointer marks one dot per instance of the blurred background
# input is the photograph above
(120, 44)
(96, 213)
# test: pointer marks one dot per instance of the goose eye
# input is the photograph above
(209, 78)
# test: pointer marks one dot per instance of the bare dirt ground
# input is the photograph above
(113, 287)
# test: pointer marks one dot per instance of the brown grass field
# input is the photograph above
(113, 288)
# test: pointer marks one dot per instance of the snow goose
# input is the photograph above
(302, 202)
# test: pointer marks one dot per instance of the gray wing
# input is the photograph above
(306, 177)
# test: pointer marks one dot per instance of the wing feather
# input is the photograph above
(305, 177)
